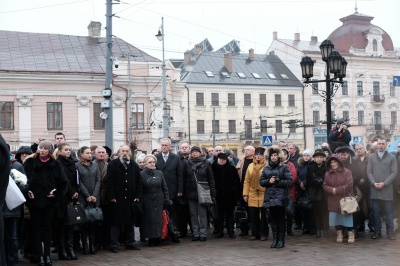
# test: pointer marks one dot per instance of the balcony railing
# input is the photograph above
(378, 99)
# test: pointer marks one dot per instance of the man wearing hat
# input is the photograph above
(339, 135)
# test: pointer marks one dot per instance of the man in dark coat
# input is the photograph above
(124, 187)
(4, 173)
(170, 165)
(183, 207)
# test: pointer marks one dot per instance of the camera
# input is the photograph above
(116, 62)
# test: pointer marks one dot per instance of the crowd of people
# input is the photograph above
(134, 190)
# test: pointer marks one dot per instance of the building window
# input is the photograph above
(359, 88)
(361, 118)
(392, 89)
(247, 99)
(375, 45)
(231, 99)
(199, 99)
(378, 120)
(264, 126)
(314, 88)
(393, 118)
(98, 122)
(346, 116)
(291, 100)
(200, 126)
(278, 100)
(6, 115)
(248, 129)
(375, 87)
(292, 127)
(345, 90)
(54, 116)
(232, 126)
(214, 99)
(215, 124)
(137, 110)
(263, 99)
(316, 118)
(278, 125)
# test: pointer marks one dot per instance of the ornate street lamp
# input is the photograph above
(336, 65)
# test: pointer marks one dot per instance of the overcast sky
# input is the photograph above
(188, 22)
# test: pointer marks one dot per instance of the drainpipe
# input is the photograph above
(190, 142)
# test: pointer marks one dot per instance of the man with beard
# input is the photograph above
(123, 188)
(4, 172)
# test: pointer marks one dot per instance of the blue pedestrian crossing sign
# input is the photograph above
(267, 140)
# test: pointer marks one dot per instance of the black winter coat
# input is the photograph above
(302, 170)
(275, 193)
(124, 185)
(227, 184)
(154, 195)
(315, 178)
(172, 172)
(203, 173)
(44, 177)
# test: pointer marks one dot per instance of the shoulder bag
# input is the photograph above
(304, 201)
(348, 205)
(75, 214)
(203, 192)
(93, 213)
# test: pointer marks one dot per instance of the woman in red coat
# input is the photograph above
(338, 183)
(292, 168)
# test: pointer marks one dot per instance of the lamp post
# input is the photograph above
(335, 71)
(165, 125)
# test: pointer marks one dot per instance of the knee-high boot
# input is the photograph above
(84, 237)
(92, 233)
(274, 228)
(70, 243)
(281, 236)
(62, 254)
(289, 221)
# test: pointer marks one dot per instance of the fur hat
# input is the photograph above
(259, 150)
(222, 156)
(274, 149)
(347, 149)
(308, 151)
(195, 148)
(47, 145)
(319, 152)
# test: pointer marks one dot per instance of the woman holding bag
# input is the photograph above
(89, 195)
(338, 184)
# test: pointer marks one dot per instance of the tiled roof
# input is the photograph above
(195, 71)
(26, 51)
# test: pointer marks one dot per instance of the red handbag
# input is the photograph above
(165, 221)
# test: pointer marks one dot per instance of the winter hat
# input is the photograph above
(21, 150)
(319, 152)
(340, 121)
(222, 156)
(47, 145)
(259, 150)
(347, 149)
(195, 148)
(308, 151)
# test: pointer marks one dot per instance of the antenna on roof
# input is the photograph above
(356, 8)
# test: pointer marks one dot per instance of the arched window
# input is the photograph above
(375, 45)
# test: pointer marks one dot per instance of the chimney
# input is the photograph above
(228, 62)
(197, 49)
(94, 29)
(275, 35)
(314, 39)
(251, 54)
(297, 36)
(187, 57)
(272, 53)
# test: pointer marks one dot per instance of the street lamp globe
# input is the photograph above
(307, 65)
(342, 73)
(326, 48)
(335, 62)
(159, 35)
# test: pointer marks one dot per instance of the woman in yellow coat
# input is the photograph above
(253, 194)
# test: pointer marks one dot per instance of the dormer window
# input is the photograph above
(375, 45)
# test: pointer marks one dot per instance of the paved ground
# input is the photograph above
(299, 250)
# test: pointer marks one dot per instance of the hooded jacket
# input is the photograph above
(22, 149)
(276, 192)
(341, 180)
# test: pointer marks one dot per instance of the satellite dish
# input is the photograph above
(103, 115)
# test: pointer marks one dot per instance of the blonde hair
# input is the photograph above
(148, 157)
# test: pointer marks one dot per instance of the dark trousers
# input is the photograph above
(115, 230)
(42, 220)
(227, 216)
(259, 223)
(183, 214)
(278, 217)
(103, 231)
(320, 214)
(2, 250)
(11, 239)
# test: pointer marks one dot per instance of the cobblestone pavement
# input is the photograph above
(298, 250)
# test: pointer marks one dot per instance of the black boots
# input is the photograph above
(70, 245)
(281, 236)
(274, 228)
(84, 237)
(289, 227)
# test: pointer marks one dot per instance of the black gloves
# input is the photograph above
(167, 203)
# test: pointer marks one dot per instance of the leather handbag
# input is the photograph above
(203, 193)
(239, 214)
(349, 205)
(164, 225)
(93, 213)
(75, 214)
(304, 202)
